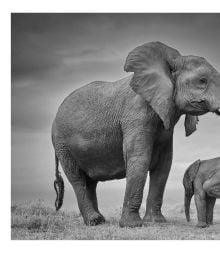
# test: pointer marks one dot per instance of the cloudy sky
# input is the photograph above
(53, 54)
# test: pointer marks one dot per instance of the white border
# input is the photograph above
(113, 6)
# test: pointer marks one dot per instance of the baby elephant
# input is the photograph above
(202, 179)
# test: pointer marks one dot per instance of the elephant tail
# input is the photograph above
(58, 186)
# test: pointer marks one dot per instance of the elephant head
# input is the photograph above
(188, 180)
(170, 82)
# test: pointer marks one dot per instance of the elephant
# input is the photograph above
(112, 130)
(202, 179)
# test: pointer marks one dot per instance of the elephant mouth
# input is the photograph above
(198, 108)
(202, 108)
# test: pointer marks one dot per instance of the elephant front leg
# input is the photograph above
(136, 178)
(137, 156)
(158, 179)
(210, 203)
(200, 201)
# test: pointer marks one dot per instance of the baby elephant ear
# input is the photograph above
(188, 180)
(152, 64)
(190, 176)
(190, 124)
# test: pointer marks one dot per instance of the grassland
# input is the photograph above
(36, 221)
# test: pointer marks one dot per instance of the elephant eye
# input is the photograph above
(203, 81)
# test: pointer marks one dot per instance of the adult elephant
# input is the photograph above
(111, 130)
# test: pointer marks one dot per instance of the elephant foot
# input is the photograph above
(94, 219)
(154, 218)
(209, 222)
(130, 220)
(202, 225)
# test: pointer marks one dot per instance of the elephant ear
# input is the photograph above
(188, 180)
(190, 176)
(152, 64)
(190, 124)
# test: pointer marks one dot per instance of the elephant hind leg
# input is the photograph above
(91, 191)
(86, 196)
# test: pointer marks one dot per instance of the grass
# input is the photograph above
(36, 221)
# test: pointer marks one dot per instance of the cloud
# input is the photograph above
(41, 43)
(33, 63)
(44, 44)
(52, 54)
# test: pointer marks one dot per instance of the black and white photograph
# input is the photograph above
(115, 126)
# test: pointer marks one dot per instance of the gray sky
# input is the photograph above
(53, 54)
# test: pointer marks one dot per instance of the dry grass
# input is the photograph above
(36, 222)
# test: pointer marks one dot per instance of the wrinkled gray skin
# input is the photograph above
(202, 179)
(111, 130)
